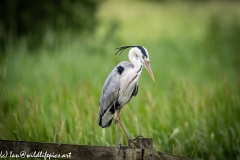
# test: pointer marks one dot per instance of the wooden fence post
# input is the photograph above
(25, 149)
(145, 143)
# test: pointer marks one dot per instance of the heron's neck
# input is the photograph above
(132, 75)
(136, 61)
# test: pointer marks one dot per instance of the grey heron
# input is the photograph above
(121, 85)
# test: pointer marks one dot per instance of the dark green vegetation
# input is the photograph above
(31, 19)
(51, 94)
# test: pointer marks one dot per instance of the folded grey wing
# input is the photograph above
(109, 97)
(110, 93)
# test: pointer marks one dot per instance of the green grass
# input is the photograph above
(51, 94)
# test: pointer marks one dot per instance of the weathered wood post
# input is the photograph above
(145, 143)
(148, 153)
(137, 153)
(26, 149)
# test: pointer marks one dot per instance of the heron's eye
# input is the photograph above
(143, 56)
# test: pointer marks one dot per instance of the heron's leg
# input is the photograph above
(130, 141)
(116, 119)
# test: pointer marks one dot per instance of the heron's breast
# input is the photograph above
(125, 95)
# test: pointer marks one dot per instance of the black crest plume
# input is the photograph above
(121, 49)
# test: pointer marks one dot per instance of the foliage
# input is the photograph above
(32, 18)
(192, 109)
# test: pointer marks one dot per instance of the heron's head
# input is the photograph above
(142, 54)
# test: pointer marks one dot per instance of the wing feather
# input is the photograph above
(135, 91)
(110, 93)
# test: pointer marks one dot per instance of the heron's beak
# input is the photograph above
(148, 67)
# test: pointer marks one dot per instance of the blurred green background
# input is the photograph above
(56, 55)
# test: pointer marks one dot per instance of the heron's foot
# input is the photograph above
(119, 148)
(132, 141)
(120, 145)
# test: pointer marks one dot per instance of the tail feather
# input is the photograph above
(105, 119)
(108, 124)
